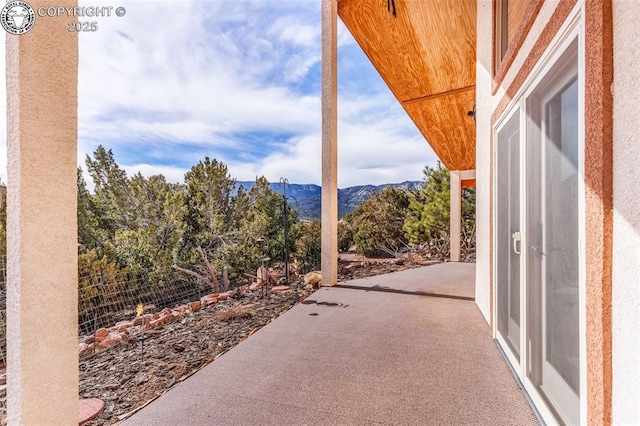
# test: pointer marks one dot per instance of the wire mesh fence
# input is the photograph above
(107, 296)
(3, 309)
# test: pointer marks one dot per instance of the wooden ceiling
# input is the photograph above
(427, 56)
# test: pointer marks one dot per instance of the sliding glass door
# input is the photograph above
(537, 231)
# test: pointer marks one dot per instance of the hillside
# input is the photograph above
(306, 198)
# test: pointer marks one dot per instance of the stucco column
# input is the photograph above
(42, 312)
(455, 215)
(329, 142)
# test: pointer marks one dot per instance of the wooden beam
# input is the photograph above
(329, 217)
(439, 95)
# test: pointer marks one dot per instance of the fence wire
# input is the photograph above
(107, 297)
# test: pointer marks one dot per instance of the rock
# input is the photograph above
(101, 333)
(84, 349)
(156, 323)
(281, 288)
(195, 306)
(208, 300)
(168, 317)
(111, 340)
(140, 379)
(313, 279)
(137, 321)
(353, 265)
(148, 318)
(136, 330)
(119, 328)
(223, 296)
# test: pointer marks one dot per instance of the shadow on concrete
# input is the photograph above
(383, 357)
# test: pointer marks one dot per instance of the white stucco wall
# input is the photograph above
(487, 105)
(483, 158)
(626, 221)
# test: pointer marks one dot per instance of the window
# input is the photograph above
(509, 15)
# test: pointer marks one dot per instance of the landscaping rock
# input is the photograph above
(313, 279)
(111, 340)
(128, 370)
(281, 288)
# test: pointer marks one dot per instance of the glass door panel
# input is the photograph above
(553, 331)
(561, 345)
(508, 233)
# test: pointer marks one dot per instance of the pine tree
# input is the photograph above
(428, 214)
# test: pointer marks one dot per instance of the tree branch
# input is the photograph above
(212, 272)
(193, 274)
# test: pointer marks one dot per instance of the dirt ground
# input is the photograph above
(129, 376)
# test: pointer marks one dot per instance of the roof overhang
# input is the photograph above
(426, 54)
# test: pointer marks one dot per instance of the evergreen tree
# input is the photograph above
(428, 215)
(377, 223)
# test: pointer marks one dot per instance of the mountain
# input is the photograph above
(306, 198)
(350, 198)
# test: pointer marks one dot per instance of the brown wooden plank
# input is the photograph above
(515, 14)
(425, 52)
(447, 127)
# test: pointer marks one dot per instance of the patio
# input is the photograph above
(378, 350)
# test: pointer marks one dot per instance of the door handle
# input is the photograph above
(517, 237)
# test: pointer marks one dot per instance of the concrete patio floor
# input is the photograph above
(377, 351)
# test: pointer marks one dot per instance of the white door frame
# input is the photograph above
(572, 29)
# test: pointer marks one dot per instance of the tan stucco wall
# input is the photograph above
(598, 176)
(626, 226)
(42, 331)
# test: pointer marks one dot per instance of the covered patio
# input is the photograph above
(426, 54)
(409, 347)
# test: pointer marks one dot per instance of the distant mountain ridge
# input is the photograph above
(306, 199)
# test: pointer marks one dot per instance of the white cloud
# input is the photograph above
(176, 76)
(172, 81)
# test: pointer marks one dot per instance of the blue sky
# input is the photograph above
(174, 81)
